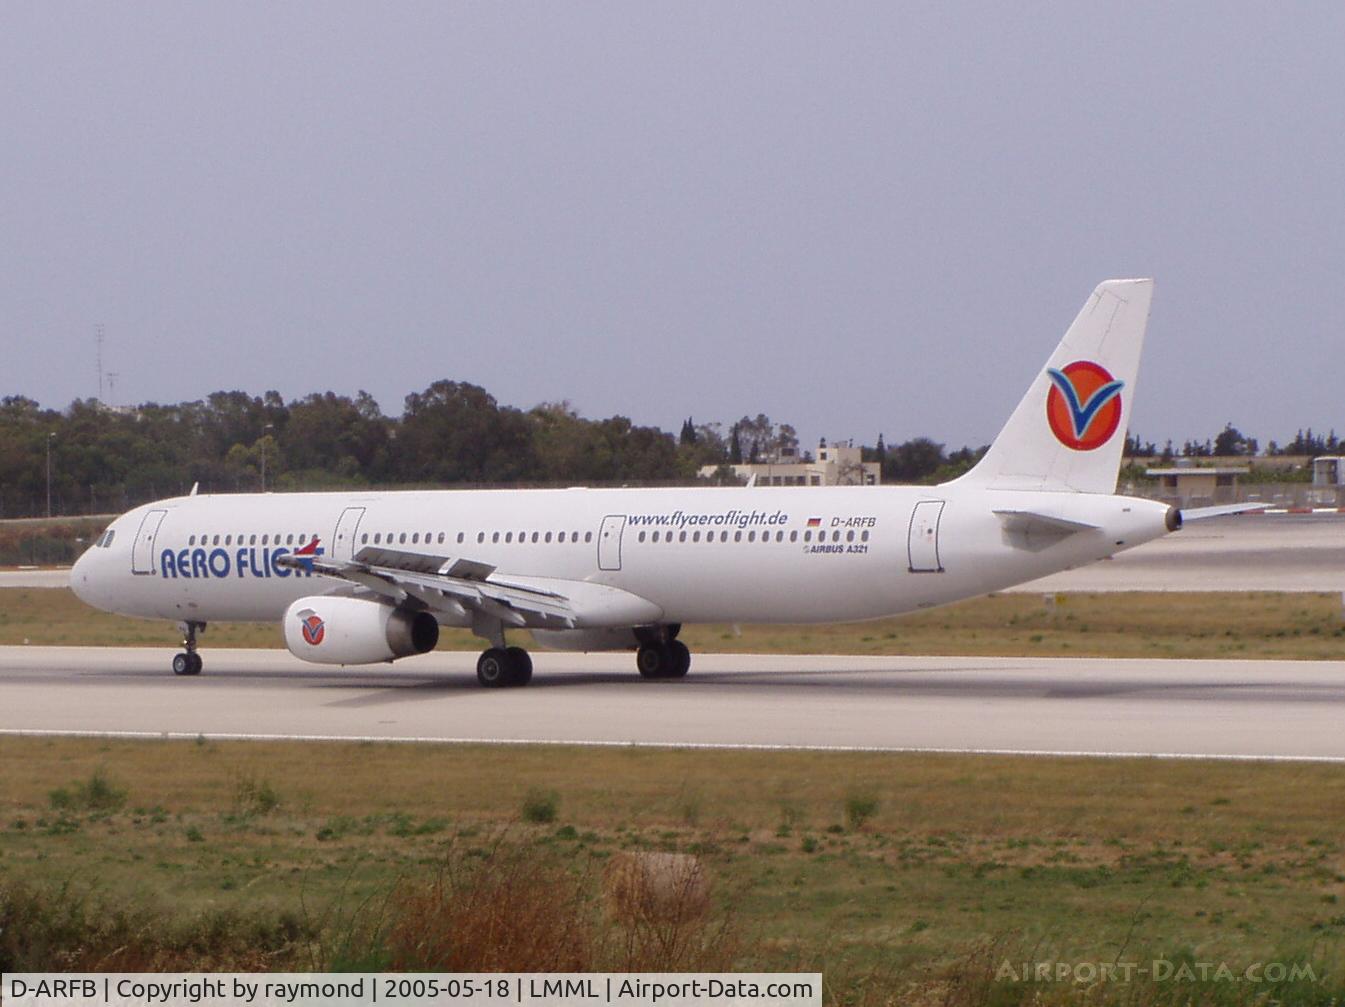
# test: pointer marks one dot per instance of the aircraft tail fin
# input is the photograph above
(1068, 432)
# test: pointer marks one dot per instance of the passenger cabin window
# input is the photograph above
(588, 536)
(190, 541)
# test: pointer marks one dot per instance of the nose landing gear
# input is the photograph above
(189, 662)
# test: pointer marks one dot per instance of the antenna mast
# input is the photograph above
(98, 337)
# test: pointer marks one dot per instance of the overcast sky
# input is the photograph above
(854, 217)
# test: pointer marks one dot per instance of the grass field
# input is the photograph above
(1250, 625)
(905, 878)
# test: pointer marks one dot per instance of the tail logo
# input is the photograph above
(314, 629)
(1084, 405)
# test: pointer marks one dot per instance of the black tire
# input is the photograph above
(679, 662)
(492, 668)
(520, 666)
(652, 661)
(196, 664)
(182, 664)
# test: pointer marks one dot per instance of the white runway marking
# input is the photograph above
(693, 746)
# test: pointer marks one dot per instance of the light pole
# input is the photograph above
(49, 439)
(269, 426)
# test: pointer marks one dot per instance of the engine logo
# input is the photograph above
(1084, 405)
(313, 627)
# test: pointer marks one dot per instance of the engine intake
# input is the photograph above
(327, 630)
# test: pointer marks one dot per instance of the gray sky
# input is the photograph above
(855, 217)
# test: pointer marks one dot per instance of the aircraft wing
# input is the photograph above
(463, 588)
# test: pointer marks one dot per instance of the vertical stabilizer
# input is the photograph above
(1068, 432)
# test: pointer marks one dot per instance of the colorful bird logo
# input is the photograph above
(1084, 405)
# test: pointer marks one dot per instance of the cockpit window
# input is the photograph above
(106, 540)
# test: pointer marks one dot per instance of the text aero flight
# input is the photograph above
(358, 578)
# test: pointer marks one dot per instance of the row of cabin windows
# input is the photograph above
(251, 539)
(695, 536)
(414, 538)
(390, 538)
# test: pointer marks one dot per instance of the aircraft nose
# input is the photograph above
(80, 578)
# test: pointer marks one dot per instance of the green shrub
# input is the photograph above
(540, 806)
(859, 808)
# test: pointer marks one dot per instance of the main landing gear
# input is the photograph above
(189, 662)
(499, 667)
(661, 654)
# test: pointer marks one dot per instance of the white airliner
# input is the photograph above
(359, 578)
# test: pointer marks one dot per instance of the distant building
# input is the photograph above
(1328, 470)
(1185, 485)
(835, 465)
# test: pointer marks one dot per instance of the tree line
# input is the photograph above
(1230, 442)
(450, 434)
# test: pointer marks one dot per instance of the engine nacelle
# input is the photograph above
(327, 630)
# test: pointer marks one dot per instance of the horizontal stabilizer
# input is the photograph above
(1035, 521)
(1201, 513)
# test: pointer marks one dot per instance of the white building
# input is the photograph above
(835, 465)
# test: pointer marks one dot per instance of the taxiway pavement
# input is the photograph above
(1173, 708)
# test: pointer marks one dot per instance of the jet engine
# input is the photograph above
(328, 630)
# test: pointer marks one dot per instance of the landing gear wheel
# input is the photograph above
(679, 662)
(189, 662)
(493, 668)
(520, 665)
(652, 661)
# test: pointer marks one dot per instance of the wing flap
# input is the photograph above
(465, 587)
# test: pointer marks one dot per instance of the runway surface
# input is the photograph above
(1223, 709)
(1249, 552)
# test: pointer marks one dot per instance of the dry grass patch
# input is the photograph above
(1139, 624)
